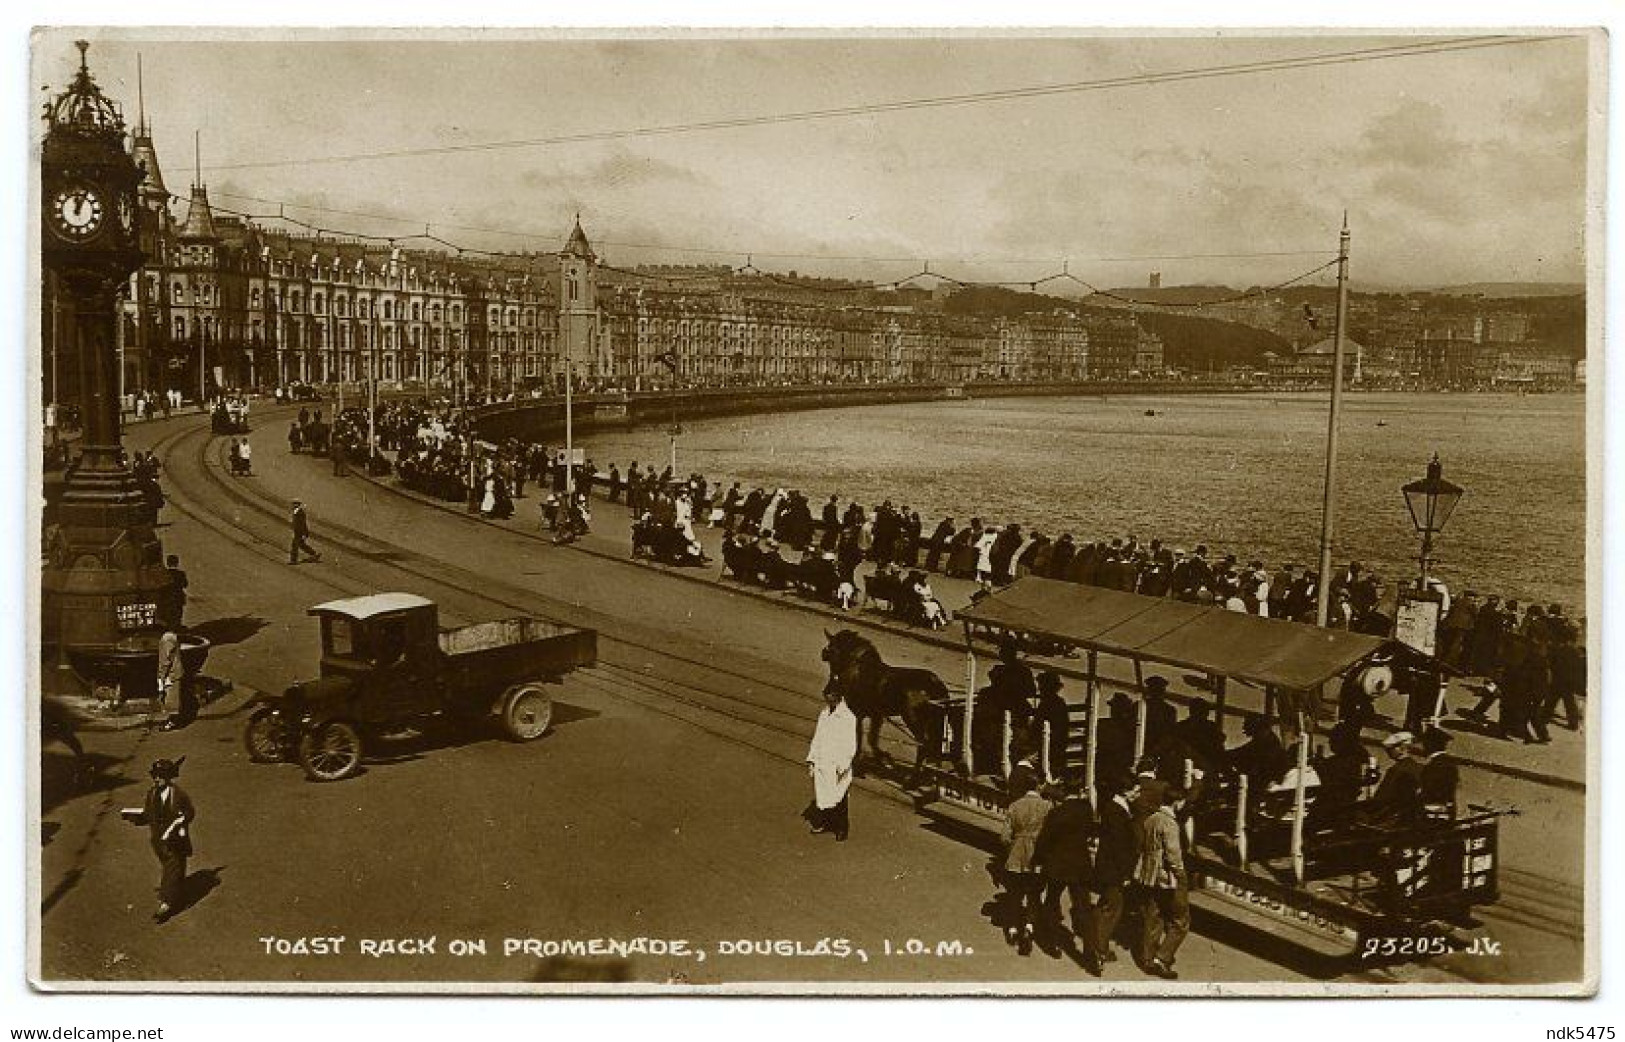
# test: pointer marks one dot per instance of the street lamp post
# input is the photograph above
(1431, 501)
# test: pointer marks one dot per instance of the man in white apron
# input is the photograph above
(829, 760)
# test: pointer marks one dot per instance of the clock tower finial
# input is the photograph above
(84, 61)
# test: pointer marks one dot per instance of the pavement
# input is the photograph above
(663, 806)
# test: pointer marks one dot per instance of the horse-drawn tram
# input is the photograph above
(1279, 839)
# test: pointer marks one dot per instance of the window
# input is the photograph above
(254, 298)
(179, 293)
(417, 311)
(389, 309)
(317, 303)
(340, 633)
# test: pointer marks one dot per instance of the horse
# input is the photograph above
(875, 691)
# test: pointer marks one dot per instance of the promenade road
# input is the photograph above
(664, 804)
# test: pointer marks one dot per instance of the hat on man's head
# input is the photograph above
(1049, 680)
(1434, 739)
(1121, 700)
(169, 770)
(1156, 683)
(1397, 739)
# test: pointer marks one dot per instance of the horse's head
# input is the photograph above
(844, 652)
(839, 646)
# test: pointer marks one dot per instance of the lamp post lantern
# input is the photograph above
(1431, 501)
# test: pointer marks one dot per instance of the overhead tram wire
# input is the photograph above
(713, 251)
(1449, 45)
(750, 269)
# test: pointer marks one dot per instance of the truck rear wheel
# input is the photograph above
(330, 752)
(526, 712)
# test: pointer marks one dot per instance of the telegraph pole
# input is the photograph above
(1329, 506)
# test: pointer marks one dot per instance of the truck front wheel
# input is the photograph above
(526, 712)
(267, 736)
(330, 751)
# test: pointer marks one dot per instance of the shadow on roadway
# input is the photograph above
(407, 746)
(233, 629)
(198, 886)
(64, 778)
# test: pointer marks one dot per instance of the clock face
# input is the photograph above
(78, 212)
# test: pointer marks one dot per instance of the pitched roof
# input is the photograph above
(199, 218)
(578, 245)
(1328, 347)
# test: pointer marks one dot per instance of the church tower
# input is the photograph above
(579, 342)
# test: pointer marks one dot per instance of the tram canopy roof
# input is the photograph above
(1208, 638)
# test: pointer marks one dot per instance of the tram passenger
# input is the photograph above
(1343, 776)
(1114, 737)
(1438, 778)
(1198, 733)
(1395, 803)
(1262, 759)
(1010, 689)
(1160, 715)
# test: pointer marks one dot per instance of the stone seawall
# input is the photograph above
(541, 418)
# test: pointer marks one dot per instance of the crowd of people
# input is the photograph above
(229, 414)
(1532, 657)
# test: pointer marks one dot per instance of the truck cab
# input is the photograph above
(384, 650)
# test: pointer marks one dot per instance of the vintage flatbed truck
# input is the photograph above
(388, 666)
(1356, 894)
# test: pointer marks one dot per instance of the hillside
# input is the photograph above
(1200, 344)
(1188, 341)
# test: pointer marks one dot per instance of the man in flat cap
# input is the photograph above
(1395, 802)
(167, 813)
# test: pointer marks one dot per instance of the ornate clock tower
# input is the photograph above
(104, 583)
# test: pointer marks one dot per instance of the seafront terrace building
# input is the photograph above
(222, 303)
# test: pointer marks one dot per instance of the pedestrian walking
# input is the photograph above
(1064, 855)
(1115, 860)
(168, 814)
(829, 760)
(301, 535)
(1162, 888)
(1023, 887)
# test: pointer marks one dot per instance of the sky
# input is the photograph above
(1453, 167)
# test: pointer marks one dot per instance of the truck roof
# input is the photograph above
(372, 604)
